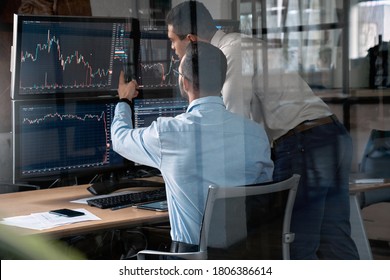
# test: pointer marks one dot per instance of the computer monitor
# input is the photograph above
(147, 110)
(63, 138)
(67, 56)
(156, 59)
(151, 105)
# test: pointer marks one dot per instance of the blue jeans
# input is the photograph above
(320, 220)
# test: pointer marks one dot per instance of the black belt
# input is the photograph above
(306, 125)
(180, 247)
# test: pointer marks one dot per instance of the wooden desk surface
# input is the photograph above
(356, 188)
(25, 203)
(376, 216)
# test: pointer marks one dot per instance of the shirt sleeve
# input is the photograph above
(141, 145)
(236, 98)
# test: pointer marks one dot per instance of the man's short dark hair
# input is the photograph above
(191, 17)
(205, 65)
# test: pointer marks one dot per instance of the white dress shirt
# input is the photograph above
(235, 98)
(275, 98)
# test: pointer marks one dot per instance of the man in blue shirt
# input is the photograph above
(206, 145)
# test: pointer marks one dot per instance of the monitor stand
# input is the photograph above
(113, 184)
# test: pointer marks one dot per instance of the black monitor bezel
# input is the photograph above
(18, 177)
(16, 49)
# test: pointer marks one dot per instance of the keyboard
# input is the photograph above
(128, 199)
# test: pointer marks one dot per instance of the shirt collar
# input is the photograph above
(217, 37)
(205, 101)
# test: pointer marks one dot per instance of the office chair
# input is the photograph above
(267, 207)
(375, 164)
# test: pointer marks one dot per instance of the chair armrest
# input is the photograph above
(185, 255)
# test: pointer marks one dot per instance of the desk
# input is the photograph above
(357, 226)
(357, 188)
(25, 203)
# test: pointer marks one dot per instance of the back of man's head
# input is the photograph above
(205, 65)
(191, 17)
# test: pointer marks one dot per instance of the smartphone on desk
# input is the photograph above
(160, 206)
(66, 212)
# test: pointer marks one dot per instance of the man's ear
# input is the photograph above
(186, 85)
(192, 37)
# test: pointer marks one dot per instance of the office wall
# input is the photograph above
(120, 8)
(142, 9)
(219, 9)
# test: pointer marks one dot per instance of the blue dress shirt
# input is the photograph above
(206, 145)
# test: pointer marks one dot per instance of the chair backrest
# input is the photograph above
(376, 156)
(375, 164)
(265, 232)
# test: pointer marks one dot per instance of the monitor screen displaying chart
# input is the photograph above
(55, 138)
(68, 56)
(156, 60)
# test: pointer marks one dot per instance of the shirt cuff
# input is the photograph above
(125, 100)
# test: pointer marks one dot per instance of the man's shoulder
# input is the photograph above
(229, 38)
(172, 123)
(221, 38)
